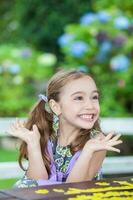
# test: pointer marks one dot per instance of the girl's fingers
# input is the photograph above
(13, 125)
(113, 143)
(12, 131)
(111, 137)
(113, 149)
(116, 137)
(35, 127)
(108, 137)
(19, 123)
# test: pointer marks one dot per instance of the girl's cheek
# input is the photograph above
(98, 107)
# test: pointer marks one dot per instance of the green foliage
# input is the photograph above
(8, 155)
(102, 45)
(23, 71)
(125, 6)
(7, 183)
(39, 22)
(7, 24)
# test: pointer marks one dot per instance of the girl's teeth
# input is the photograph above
(87, 116)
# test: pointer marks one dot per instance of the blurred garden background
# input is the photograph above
(40, 37)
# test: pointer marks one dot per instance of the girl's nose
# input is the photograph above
(89, 104)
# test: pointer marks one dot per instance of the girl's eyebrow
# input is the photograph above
(81, 92)
(95, 91)
(77, 93)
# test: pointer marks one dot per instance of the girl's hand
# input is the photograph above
(29, 136)
(106, 143)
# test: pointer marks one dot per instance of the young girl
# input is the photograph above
(62, 139)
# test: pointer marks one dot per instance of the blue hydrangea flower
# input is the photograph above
(65, 39)
(100, 57)
(14, 69)
(119, 63)
(26, 53)
(78, 49)
(121, 22)
(88, 18)
(105, 48)
(103, 16)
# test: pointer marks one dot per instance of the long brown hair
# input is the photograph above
(44, 119)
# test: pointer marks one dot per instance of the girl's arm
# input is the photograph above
(95, 164)
(80, 169)
(91, 151)
(97, 160)
(36, 168)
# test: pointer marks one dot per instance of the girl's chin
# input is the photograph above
(88, 125)
(87, 128)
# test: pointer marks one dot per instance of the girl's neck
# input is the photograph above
(67, 136)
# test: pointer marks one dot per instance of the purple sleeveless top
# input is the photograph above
(57, 177)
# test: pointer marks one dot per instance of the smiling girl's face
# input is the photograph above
(79, 103)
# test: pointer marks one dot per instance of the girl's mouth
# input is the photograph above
(87, 117)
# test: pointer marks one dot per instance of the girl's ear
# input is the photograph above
(55, 107)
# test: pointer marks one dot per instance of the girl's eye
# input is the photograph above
(96, 97)
(78, 98)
